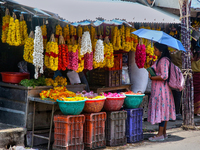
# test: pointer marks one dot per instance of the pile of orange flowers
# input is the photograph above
(57, 93)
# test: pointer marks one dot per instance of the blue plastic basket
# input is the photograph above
(71, 107)
(134, 132)
(133, 101)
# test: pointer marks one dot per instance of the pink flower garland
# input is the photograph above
(88, 59)
(140, 55)
(73, 60)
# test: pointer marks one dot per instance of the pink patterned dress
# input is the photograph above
(161, 103)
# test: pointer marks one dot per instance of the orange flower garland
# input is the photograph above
(63, 58)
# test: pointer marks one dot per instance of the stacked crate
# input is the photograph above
(116, 128)
(94, 130)
(68, 132)
(134, 130)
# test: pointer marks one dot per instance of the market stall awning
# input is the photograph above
(195, 4)
(80, 10)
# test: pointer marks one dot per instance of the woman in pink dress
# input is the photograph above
(161, 103)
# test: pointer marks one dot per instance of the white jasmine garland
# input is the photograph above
(86, 44)
(38, 52)
(99, 51)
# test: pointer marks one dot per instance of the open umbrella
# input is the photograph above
(160, 37)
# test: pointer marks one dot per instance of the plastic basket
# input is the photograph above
(71, 107)
(113, 103)
(94, 130)
(134, 130)
(133, 101)
(116, 128)
(94, 106)
(68, 132)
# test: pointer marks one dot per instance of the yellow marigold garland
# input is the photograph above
(51, 55)
(116, 38)
(57, 81)
(86, 28)
(14, 38)
(66, 34)
(5, 27)
(58, 32)
(44, 34)
(80, 60)
(134, 40)
(109, 57)
(80, 31)
(92, 33)
(23, 30)
(72, 30)
(149, 55)
(28, 50)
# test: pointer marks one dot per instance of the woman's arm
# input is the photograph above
(157, 78)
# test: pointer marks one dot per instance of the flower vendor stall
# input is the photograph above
(52, 47)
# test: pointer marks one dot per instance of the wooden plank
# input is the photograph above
(13, 94)
(42, 120)
(11, 104)
(38, 99)
(40, 107)
(105, 89)
(13, 117)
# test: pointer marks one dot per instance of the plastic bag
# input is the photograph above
(23, 66)
(73, 77)
(125, 75)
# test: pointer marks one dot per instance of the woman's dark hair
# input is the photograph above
(163, 49)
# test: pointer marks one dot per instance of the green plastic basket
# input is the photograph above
(71, 107)
(133, 101)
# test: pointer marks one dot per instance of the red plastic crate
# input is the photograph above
(94, 130)
(68, 132)
(116, 128)
(117, 63)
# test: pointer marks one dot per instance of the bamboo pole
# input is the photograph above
(188, 93)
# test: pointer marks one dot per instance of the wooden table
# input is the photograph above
(107, 89)
(50, 102)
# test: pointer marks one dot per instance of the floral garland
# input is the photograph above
(109, 57)
(72, 30)
(95, 63)
(80, 31)
(86, 28)
(5, 26)
(58, 32)
(140, 55)
(73, 57)
(93, 33)
(86, 45)
(88, 63)
(99, 51)
(28, 49)
(13, 37)
(23, 30)
(127, 45)
(38, 51)
(44, 34)
(116, 38)
(149, 55)
(80, 61)
(134, 40)
(63, 58)
(122, 31)
(66, 34)
(51, 55)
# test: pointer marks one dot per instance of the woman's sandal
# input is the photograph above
(157, 138)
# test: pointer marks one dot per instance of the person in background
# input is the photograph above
(177, 60)
(161, 103)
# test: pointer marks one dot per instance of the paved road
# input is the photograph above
(178, 140)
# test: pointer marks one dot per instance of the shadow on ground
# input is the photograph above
(171, 138)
